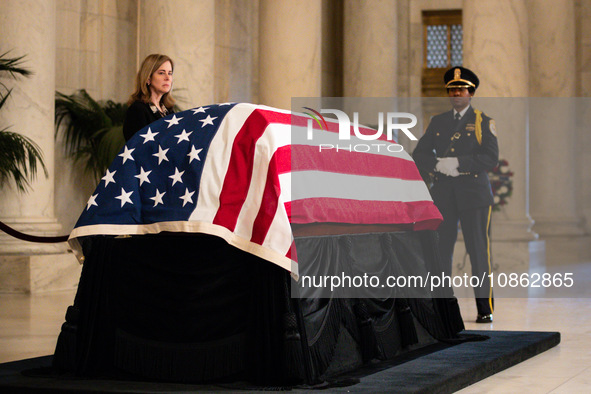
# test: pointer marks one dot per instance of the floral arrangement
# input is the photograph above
(501, 183)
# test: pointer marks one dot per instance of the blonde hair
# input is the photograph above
(142, 90)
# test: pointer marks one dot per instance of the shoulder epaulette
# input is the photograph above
(478, 125)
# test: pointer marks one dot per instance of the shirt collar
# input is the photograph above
(154, 109)
(462, 112)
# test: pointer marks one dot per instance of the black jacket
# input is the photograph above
(472, 188)
(139, 115)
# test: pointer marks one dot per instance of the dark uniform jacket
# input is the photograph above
(139, 115)
(472, 188)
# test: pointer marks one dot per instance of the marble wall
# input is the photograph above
(96, 47)
(96, 50)
(184, 30)
(496, 49)
(29, 28)
(290, 51)
(370, 55)
(553, 77)
(583, 86)
(236, 60)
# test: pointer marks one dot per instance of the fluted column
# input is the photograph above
(289, 48)
(183, 30)
(370, 48)
(496, 46)
(28, 27)
(583, 14)
(496, 49)
(552, 118)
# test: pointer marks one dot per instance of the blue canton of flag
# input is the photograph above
(155, 177)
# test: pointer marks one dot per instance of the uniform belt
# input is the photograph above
(439, 176)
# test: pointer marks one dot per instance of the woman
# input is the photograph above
(151, 99)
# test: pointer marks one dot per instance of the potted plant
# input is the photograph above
(92, 130)
(20, 157)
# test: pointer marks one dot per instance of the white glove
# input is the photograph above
(448, 166)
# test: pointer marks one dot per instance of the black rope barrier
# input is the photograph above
(31, 238)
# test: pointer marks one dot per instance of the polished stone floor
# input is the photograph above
(29, 325)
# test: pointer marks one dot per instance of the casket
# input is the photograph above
(195, 243)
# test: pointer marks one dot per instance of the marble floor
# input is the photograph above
(29, 325)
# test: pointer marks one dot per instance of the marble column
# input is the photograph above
(552, 117)
(583, 38)
(370, 49)
(496, 48)
(183, 30)
(290, 51)
(236, 50)
(28, 28)
(95, 51)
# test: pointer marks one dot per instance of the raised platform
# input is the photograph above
(38, 273)
(441, 368)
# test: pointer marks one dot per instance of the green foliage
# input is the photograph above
(18, 159)
(12, 66)
(19, 155)
(92, 130)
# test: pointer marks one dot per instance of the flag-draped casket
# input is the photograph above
(189, 237)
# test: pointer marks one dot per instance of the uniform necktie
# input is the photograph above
(457, 118)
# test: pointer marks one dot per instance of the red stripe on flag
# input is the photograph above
(336, 210)
(292, 253)
(269, 203)
(306, 157)
(239, 174)
(283, 162)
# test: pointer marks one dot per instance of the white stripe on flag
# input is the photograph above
(318, 184)
(277, 238)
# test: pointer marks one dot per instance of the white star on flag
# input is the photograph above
(194, 154)
(208, 120)
(109, 177)
(91, 201)
(124, 197)
(184, 136)
(177, 176)
(174, 120)
(198, 110)
(127, 154)
(143, 176)
(161, 155)
(149, 136)
(187, 197)
(158, 197)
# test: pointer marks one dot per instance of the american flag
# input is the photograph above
(231, 170)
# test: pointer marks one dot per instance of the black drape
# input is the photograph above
(191, 308)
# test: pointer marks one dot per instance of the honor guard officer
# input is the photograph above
(458, 148)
